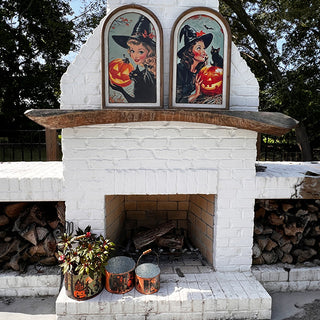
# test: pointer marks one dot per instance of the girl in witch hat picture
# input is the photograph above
(141, 47)
(193, 57)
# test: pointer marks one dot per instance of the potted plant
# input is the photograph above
(83, 258)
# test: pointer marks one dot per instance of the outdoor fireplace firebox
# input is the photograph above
(172, 222)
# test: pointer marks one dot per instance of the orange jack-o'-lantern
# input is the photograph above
(212, 79)
(119, 70)
(79, 290)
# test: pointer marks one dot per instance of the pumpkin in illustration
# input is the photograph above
(212, 79)
(119, 71)
(79, 290)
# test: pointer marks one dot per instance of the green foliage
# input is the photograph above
(35, 35)
(84, 253)
(93, 11)
(280, 42)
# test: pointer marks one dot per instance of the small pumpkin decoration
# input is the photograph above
(212, 79)
(119, 70)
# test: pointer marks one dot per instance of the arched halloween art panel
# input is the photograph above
(200, 60)
(131, 58)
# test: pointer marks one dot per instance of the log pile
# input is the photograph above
(29, 233)
(144, 238)
(286, 231)
(164, 238)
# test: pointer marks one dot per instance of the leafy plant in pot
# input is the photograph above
(83, 258)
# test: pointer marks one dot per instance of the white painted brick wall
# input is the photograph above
(81, 84)
(31, 181)
(33, 283)
(287, 277)
(165, 158)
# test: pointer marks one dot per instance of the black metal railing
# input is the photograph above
(30, 145)
(23, 145)
(282, 148)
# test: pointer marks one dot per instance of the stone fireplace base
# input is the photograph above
(196, 296)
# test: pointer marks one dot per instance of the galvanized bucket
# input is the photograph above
(120, 274)
(147, 279)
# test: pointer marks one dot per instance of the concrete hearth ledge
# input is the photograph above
(37, 281)
(288, 180)
(31, 181)
(214, 295)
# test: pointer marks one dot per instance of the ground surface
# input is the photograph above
(27, 308)
(285, 306)
(296, 306)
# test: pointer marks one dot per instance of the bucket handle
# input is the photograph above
(146, 252)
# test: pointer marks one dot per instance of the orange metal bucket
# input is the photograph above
(147, 279)
(120, 274)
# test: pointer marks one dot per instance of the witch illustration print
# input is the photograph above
(131, 59)
(200, 60)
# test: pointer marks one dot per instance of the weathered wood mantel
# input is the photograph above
(264, 122)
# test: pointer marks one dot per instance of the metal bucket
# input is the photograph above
(147, 279)
(120, 274)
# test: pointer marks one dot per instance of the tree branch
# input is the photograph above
(260, 40)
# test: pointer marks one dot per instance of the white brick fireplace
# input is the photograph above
(196, 166)
(165, 157)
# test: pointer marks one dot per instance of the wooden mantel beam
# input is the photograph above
(264, 122)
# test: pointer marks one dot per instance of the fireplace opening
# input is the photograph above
(172, 224)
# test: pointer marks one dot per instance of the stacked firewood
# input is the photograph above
(29, 233)
(286, 231)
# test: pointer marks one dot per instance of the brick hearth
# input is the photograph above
(197, 296)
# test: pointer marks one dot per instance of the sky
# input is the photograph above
(75, 5)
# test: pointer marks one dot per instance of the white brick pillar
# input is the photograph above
(234, 212)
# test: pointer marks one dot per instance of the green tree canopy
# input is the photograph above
(35, 35)
(279, 39)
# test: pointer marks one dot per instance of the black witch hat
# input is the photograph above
(191, 36)
(141, 32)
